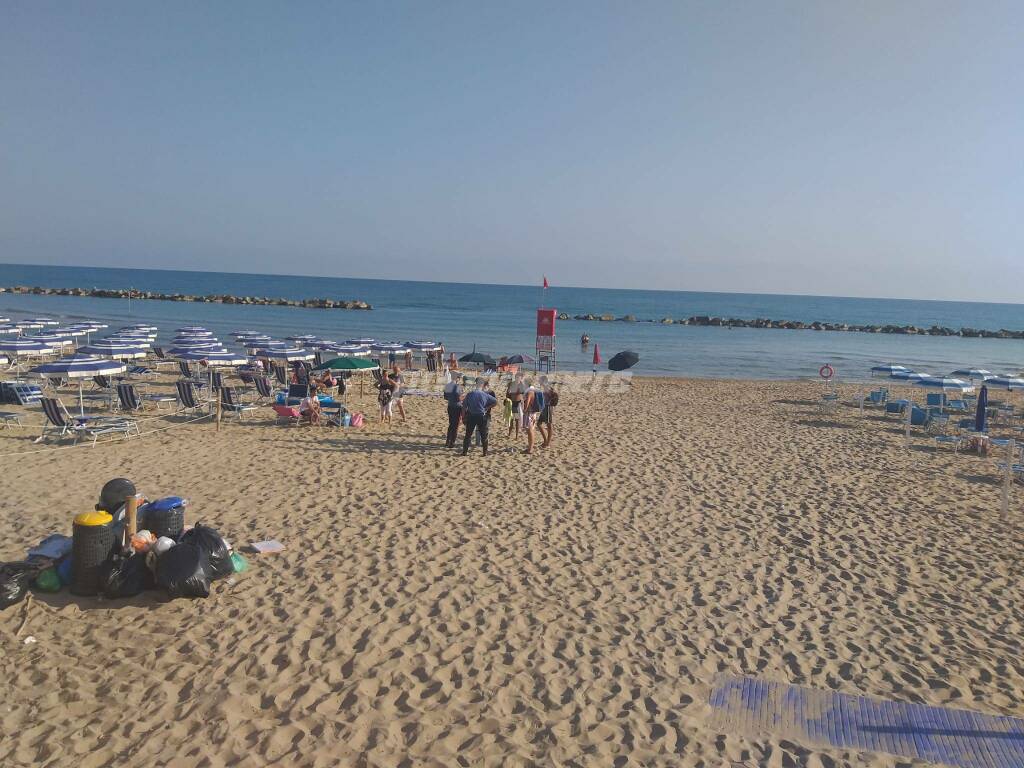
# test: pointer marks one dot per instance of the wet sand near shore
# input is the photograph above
(573, 607)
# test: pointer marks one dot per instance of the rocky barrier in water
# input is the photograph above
(124, 293)
(797, 325)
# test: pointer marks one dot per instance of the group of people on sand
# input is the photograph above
(528, 408)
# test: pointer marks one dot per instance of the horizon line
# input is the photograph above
(502, 285)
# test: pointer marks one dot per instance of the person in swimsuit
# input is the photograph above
(515, 394)
(398, 392)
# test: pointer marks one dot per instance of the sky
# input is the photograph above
(837, 148)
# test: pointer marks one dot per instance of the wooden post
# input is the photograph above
(1011, 450)
(131, 508)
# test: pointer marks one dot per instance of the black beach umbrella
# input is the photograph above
(623, 360)
(479, 358)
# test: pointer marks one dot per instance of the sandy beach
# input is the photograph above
(570, 608)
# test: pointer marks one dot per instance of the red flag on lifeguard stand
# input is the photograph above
(597, 355)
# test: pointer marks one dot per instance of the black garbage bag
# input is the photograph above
(14, 581)
(210, 542)
(182, 571)
(126, 576)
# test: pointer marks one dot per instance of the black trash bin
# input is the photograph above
(92, 541)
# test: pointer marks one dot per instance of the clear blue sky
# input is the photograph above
(854, 148)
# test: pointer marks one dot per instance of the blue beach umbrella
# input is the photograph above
(348, 350)
(140, 327)
(116, 351)
(363, 342)
(41, 321)
(302, 338)
(79, 367)
(28, 325)
(25, 348)
(187, 328)
(972, 373)
(53, 339)
(888, 370)
(941, 382)
(981, 414)
(1005, 382)
(8, 329)
(910, 376)
(195, 343)
(213, 358)
(288, 354)
(206, 350)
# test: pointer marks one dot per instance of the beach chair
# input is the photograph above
(296, 393)
(9, 419)
(131, 401)
(140, 370)
(217, 380)
(162, 359)
(63, 424)
(229, 403)
(287, 414)
(959, 406)
(187, 401)
(896, 407)
(264, 393)
(20, 393)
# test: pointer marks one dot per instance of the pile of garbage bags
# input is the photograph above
(182, 565)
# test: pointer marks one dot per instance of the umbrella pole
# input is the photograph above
(1011, 449)
(81, 399)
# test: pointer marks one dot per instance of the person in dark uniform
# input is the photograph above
(475, 406)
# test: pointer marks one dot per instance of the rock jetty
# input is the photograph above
(798, 325)
(124, 293)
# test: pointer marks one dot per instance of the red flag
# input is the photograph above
(597, 355)
(545, 281)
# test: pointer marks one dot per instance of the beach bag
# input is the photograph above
(126, 576)
(357, 420)
(552, 399)
(181, 570)
(211, 543)
(538, 402)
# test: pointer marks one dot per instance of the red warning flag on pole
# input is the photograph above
(597, 355)
(545, 281)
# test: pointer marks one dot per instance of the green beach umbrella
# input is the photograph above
(348, 364)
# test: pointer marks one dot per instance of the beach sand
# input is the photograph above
(568, 608)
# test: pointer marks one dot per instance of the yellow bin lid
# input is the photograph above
(93, 518)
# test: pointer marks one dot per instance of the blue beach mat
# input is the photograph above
(956, 737)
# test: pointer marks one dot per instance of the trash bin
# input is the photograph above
(164, 517)
(92, 540)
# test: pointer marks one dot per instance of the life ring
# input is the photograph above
(826, 371)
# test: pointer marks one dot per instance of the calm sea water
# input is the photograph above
(499, 319)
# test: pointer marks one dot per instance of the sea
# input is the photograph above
(500, 320)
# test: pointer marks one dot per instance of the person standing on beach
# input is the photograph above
(515, 393)
(475, 407)
(453, 396)
(398, 394)
(546, 420)
(533, 399)
(385, 396)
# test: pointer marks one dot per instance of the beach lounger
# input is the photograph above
(8, 419)
(63, 424)
(281, 375)
(296, 393)
(131, 401)
(956, 442)
(162, 359)
(286, 414)
(229, 403)
(20, 393)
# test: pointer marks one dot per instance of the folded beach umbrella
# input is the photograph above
(997, 382)
(972, 373)
(286, 353)
(347, 364)
(981, 414)
(79, 367)
(888, 370)
(115, 351)
(942, 382)
(597, 355)
(623, 360)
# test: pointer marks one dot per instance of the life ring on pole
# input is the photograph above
(826, 372)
